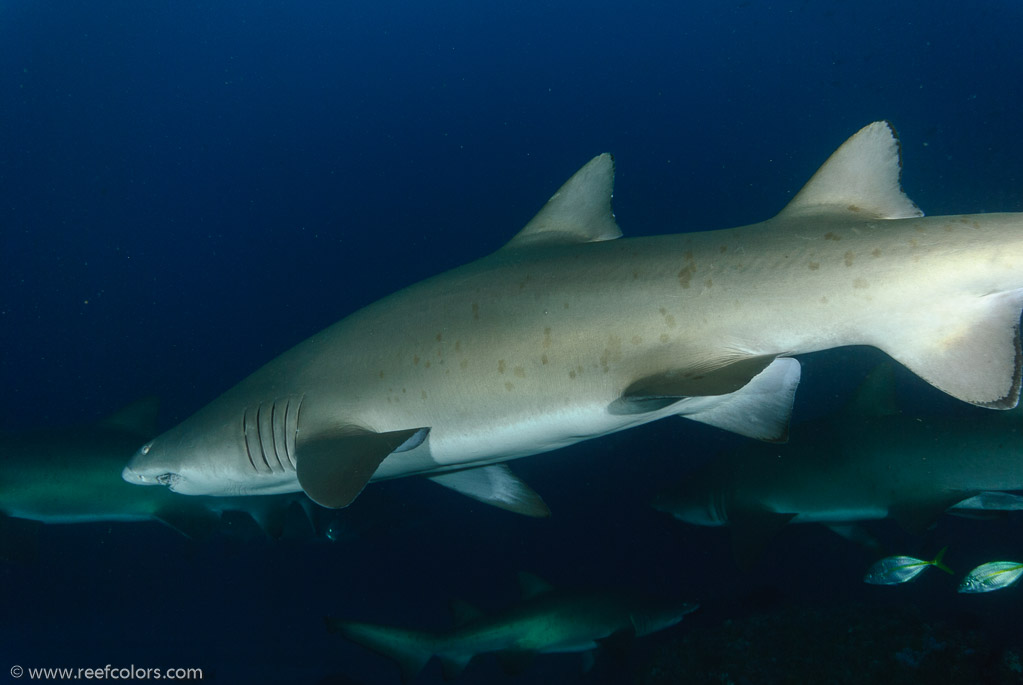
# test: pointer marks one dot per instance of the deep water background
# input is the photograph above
(187, 189)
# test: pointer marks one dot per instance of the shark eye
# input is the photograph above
(145, 448)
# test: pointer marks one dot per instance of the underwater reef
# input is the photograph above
(839, 644)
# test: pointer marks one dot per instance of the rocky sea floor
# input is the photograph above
(835, 644)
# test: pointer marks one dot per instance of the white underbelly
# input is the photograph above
(865, 513)
(467, 446)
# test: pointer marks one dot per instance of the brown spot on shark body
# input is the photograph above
(685, 275)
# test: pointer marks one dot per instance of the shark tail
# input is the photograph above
(410, 649)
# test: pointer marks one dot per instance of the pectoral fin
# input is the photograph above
(989, 501)
(19, 540)
(451, 666)
(194, 522)
(498, 486)
(334, 468)
(515, 661)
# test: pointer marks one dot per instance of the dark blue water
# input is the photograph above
(187, 189)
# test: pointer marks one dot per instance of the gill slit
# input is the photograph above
(273, 435)
(259, 433)
(289, 448)
(245, 434)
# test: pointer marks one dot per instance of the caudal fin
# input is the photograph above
(411, 649)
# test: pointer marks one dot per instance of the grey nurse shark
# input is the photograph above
(546, 621)
(73, 475)
(867, 462)
(570, 332)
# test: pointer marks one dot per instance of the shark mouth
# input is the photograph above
(270, 430)
(168, 479)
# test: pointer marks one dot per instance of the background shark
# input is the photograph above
(546, 621)
(867, 462)
(568, 333)
(72, 475)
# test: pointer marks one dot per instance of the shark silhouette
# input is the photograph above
(569, 333)
(545, 621)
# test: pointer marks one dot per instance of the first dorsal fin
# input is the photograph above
(861, 179)
(533, 585)
(138, 417)
(580, 212)
(463, 613)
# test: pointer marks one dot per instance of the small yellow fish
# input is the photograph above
(994, 575)
(895, 570)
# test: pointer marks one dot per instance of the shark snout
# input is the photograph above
(137, 472)
(141, 477)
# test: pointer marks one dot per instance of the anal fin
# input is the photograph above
(916, 516)
(968, 347)
(757, 404)
(761, 409)
(659, 390)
